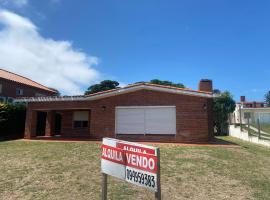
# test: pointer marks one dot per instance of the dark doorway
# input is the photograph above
(58, 123)
(41, 123)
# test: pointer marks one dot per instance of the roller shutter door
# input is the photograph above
(146, 120)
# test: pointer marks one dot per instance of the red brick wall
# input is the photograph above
(193, 114)
(9, 89)
(206, 85)
(67, 125)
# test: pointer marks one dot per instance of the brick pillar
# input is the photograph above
(50, 123)
(30, 124)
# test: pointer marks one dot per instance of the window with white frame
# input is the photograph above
(19, 91)
(80, 119)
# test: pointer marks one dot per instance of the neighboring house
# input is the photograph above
(136, 112)
(14, 86)
(243, 108)
(253, 104)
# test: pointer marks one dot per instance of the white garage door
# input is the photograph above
(146, 120)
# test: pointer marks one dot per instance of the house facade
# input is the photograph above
(253, 104)
(244, 109)
(14, 86)
(142, 112)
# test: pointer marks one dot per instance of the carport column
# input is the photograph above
(30, 124)
(50, 123)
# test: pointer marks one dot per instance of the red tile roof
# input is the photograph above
(22, 80)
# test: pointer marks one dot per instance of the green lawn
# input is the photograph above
(41, 170)
(265, 127)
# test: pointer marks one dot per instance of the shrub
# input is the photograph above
(12, 120)
(223, 106)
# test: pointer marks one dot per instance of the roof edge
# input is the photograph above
(114, 92)
(45, 87)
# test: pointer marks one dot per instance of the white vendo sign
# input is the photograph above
(133, 162)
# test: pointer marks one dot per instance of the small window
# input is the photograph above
(80, 119)
(19, 92)
(1, 88)
(39, 95)
(80, 124)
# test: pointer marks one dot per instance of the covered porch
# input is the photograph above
(69, 123)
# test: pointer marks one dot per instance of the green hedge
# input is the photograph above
(12, 120)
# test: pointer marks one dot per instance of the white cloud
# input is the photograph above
(53, 63)
(17, 3)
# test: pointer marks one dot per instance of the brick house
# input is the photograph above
(13, 86)
(142, 112)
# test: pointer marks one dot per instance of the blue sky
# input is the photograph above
(182, 40)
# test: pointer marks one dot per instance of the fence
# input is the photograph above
(256, 122)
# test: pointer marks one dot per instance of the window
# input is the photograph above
(1, 88)
(80, 119)
(39, 95)
(19, 92)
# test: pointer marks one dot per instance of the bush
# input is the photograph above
(223, 106)
(12, 120)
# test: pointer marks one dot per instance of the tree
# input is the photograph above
(216, 91)
(223, 106)
(267, 99)
(168, 83)
(102, 86)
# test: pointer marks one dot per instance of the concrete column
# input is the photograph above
(30, 124)
(50, 123)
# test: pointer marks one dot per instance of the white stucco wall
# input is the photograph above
(236, 132)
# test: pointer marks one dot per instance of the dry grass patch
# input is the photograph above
(42, 170)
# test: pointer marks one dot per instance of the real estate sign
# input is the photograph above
(132, 162)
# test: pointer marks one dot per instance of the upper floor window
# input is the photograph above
(19, 92)
(39, 95)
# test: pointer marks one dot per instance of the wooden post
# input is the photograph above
(104, 186)
(158, 193)
(259, 128)
(248, 126)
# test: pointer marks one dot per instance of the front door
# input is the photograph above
(58, 123)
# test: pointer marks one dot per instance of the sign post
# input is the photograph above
(133, 162)
(104, 186)
(158, 192)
